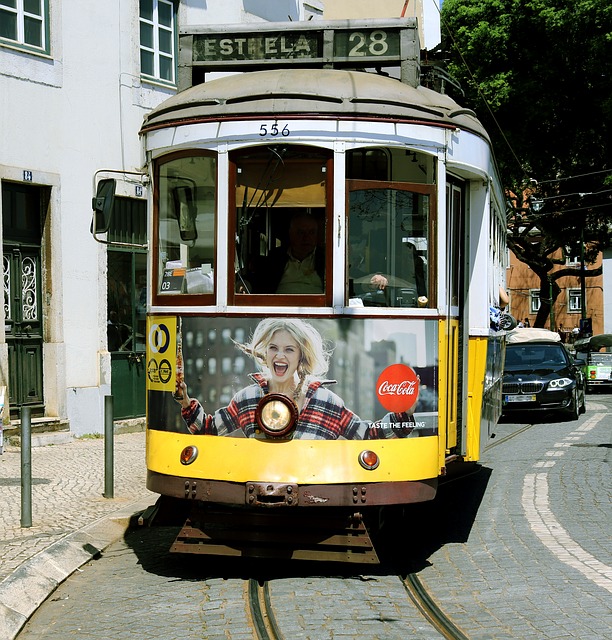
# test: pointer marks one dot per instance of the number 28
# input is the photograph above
(273, 130)
(373, 44)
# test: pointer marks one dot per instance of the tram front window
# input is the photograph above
(186, 225)
(388, 247)
(281, 223)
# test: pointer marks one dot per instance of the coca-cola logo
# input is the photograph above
(397, 388)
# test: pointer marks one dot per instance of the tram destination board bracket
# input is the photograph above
(332, 44)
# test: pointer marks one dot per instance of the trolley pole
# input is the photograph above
(109, 462)
(26, 468)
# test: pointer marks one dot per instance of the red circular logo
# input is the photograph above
(397, 388)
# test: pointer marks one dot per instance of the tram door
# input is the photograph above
(22, 215)
(455, 292)
(126, 304)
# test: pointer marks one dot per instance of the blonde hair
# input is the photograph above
(314, 360)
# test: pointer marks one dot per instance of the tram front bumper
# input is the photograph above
(259, 494)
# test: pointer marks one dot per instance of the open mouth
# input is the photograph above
(280, 369)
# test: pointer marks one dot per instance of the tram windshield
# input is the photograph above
(282, 217)
(284, 243)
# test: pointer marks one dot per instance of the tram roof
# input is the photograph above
(315, 92)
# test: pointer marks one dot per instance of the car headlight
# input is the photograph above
(560, 383)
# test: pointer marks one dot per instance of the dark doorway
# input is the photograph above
(23, 210)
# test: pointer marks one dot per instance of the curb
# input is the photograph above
(32, 582)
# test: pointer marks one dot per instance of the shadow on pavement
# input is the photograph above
(429, 526)
(407, 537)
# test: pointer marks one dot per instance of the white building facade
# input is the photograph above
(76, 79)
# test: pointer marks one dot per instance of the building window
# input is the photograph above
(239, 365)
(572, 258)
(534, 300)
(226, 395)
(25, 23)
(574, 301)
(157, 40)
(226, 365)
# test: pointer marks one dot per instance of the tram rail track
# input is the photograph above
(499, 441)
(260, 608)
(429, 608)
(267, 628)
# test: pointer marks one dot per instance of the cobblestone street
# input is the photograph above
(67, 492)
(525, 551)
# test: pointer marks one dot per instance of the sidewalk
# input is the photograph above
(71, 520)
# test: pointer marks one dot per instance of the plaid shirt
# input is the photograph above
(323, 417)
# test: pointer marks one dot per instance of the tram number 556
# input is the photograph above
(273, 130)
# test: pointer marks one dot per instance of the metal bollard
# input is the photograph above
(26, 467)
(109, 463)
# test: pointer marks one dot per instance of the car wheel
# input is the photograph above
(573, 411)
(583, 405)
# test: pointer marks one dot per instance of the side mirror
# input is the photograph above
(186, 213)
(102, 204)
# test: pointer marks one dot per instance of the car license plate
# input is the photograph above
(520, 399)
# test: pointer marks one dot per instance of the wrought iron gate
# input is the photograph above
(23, 322)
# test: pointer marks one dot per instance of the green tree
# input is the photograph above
(539, 75)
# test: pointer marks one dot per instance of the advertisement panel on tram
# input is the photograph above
(369, 378)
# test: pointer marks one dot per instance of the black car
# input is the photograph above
(542, 376)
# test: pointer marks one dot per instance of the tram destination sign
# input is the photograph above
(331, 44)
(256, 48)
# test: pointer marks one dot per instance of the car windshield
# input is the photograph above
(534, 355)
(601, 358)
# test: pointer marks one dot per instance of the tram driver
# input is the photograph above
(296, 267)
(377, 287)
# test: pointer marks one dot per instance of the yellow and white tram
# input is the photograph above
(390, 193)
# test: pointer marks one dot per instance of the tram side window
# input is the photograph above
(186, 225)
(388, 247)
(281, 222)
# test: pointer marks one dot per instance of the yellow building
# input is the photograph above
(427, 13)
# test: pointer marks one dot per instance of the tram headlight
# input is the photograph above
(369, 460)
(189, 454)
(276, 414)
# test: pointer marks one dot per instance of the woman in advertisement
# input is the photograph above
(294, 361)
